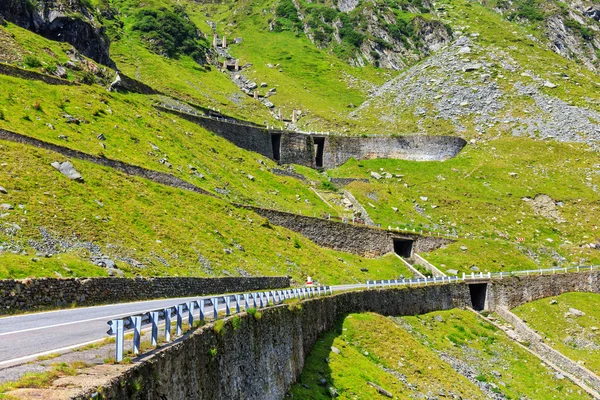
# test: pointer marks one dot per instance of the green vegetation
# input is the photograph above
(486, 196)
(43, 379)
(372, 348)
(170, 33)
(151, 230)
(490, 355)
(577, 337)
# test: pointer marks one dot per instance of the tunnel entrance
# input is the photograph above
(276, 144)
(319, 149)
(478, 295)
(403, 247)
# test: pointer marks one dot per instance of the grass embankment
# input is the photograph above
(491, 356)
(136, 133)
(169, 231)
(482, 194)
(574, 336)
(374, 349)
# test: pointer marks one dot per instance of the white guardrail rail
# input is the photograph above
(230, 303)
(477, 276)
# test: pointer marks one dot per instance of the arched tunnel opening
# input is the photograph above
(403, 247)
(478, 294)
(319, 150)
(276, 144)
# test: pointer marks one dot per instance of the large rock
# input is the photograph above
(56, 20)
(67, 169)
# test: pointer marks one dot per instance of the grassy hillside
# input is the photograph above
(487, 195)
(371, 348)
(444, 354)
(572, 335)
(490, 357)
(147, 229)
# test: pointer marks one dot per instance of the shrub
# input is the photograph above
(32, 61)
(529, 9)
(37, 106)
(2, 116)
(327, 185)
(218, 327)
(170, 33)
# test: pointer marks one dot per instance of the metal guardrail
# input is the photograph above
(231, 303)
(476, 276)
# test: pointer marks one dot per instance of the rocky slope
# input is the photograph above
(65, 21)
(571, 28)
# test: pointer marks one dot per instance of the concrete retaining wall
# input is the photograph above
(338, 150)
(262, 358)
(300, 148)
(29, 294)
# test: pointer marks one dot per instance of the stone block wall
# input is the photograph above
(261, 358)
(134, 170)
(362, 240)
(11, 70)
(30, 294)
(514, 291)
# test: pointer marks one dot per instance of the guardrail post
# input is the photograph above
(541, 271)
(489, 275)
(330, 291)
(179, 311)
(190, 306)
(319, 290)
(565, 270)
(237, 303)
(463, 276)
(578, 268)
(154, 322)
(137, 330)
(500, 274)
(167, 324)
(368, 284)
(227, 300)
(201, 309)
(472, 275)
(215, 303)
(119, 338)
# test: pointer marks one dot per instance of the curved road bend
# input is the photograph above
(26, 337)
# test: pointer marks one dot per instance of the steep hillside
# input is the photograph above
(569, 323)
(447, 354)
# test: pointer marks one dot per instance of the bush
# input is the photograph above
(170, 33)
(327, 185)
(529, 9)
(32, 62)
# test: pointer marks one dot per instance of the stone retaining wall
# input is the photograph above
(514, 291)
(29, 294)
(155, 176)
(11, 70)
(261, 358)
(362, 240)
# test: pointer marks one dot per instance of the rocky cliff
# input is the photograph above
(62, 20)
(390, 34)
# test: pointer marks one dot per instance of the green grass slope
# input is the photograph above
(374, 349)
(147, 229)
(574, 336)
(491, 357)
(486, 196)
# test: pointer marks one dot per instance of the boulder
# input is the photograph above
(3, 191)
(375, 175)
(67, 169)
(576, 312)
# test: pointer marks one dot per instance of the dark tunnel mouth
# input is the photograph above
(478, 293)
(403, 247)
(319, 150)
(276, 144)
